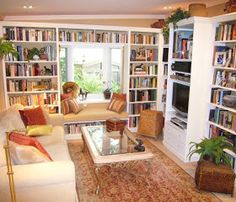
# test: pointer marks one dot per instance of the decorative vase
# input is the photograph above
(107, 95)
(197, 9)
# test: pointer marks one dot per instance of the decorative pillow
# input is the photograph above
(118, 96)
(21, 154)
(36, 130)
(66, 96)
(117, 105)
(28, 141)
(74, 106)
(65, 108)
(33, 116)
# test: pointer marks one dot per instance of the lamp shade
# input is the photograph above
(196, 9)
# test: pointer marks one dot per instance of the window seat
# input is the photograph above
(94, 112)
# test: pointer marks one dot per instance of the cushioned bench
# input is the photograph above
(94, 112)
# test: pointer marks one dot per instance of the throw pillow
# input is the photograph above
(36, 130)
(66, 96)
(74, 106)
(21, 154)
(33, 116)
(65, 108)
(27, 141)
(117, 105)
(118, 96)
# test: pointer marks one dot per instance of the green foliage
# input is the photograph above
(175, 17)
(115, 87)
(63, 70)
(90, 84)
(212, 149)
(33, 52)
(7, 47)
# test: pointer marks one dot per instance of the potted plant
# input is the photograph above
(107, 93)
(7, 47)
(214, 172)
(175, 17)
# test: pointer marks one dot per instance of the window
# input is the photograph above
(92, 68)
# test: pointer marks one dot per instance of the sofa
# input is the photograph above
(94, 112)
(48, 181)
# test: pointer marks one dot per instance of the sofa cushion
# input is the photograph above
(28, 141)
(58, 152)
(21, 154)
(36, 130)
(33, 116)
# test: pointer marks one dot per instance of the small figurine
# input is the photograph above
(139, 145)
(38, 69)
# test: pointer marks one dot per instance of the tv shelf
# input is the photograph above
(179, 131)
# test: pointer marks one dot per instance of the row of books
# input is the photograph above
(143, 54)
(143, 69)
(76, 127)
(137, 108)
(91, 36)
(111, 37)
(23, 54)
(224, 118)
(14, 70)
(218, 94)
(133, 122)
(141, 82)
(183, 45)
(29, 85)
(29, 34)
(226, 31)
(225, 78)
(142, 95)
(34, 99)
(225, 56)
(144, 39)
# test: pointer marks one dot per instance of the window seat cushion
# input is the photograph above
(94, 112)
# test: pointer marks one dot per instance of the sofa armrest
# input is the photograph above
(38, 174)
(56, 119)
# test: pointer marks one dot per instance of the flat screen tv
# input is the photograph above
(180, 98)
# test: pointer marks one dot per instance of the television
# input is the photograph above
(180, 98)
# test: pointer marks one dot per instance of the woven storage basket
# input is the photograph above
(214, 178)
(151, 123)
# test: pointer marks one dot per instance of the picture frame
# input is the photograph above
(220, 59)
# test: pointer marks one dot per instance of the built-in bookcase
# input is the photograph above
(222, 113)
(144, 68)
(32, 80)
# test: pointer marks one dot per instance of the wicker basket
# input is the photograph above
(214, 178)
(151, 123)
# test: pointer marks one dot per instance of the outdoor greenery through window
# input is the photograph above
(94, 69)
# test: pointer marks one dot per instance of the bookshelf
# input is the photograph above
(186, 44)
(222, 114)
(31, 79)
(145, 62)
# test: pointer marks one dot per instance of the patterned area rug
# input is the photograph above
(166, 181)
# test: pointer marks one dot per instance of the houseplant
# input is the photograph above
(175, 17)
(107, 93)
(213, 172)
(7, 47)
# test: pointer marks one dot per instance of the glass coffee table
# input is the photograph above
(112, 148)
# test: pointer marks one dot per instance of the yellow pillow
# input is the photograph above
(36, 130)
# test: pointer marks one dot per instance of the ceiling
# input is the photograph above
(95, 7)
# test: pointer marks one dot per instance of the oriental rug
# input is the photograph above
(166, 181)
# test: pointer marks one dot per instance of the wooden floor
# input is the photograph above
(189, 168)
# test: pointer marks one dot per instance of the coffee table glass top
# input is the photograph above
(110, 143)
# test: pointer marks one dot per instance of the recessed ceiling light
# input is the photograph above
(165, 7)
(27, 7)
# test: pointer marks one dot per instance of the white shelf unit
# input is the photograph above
(224, 43)
(144, 70)
(27, 81)
(176, 139)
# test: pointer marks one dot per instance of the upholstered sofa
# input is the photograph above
(48, 181)
(94, 112)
